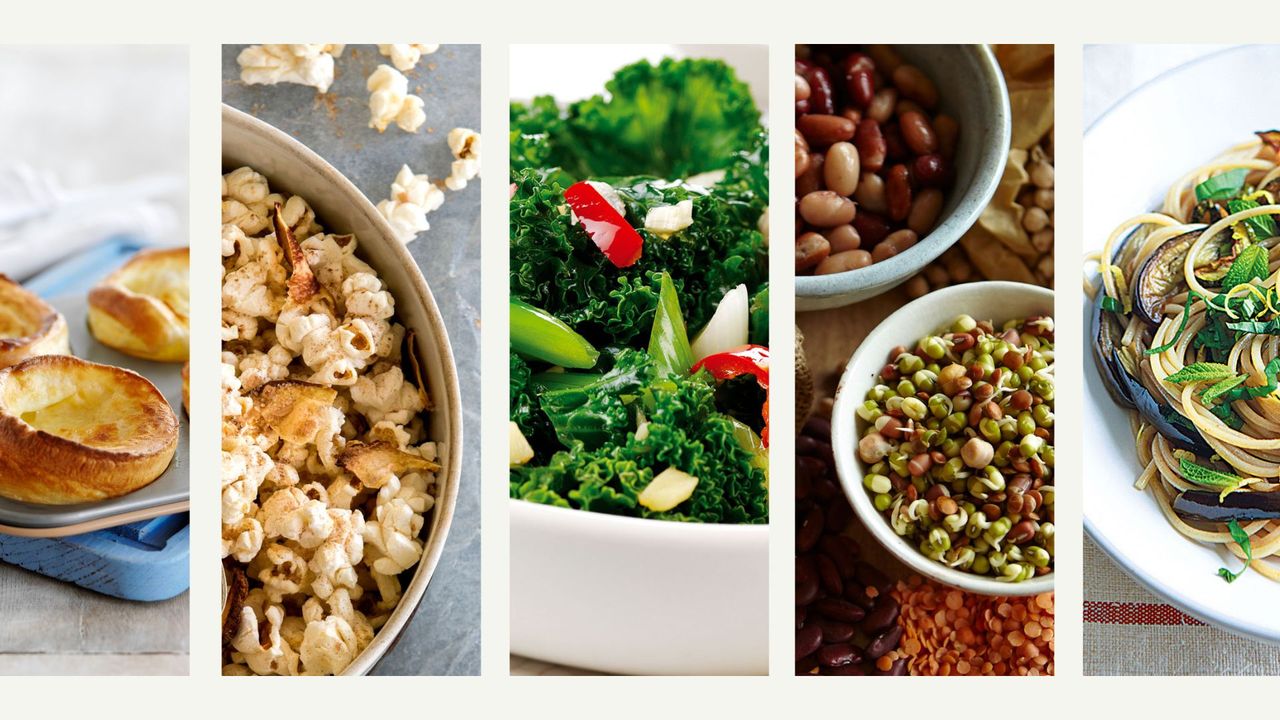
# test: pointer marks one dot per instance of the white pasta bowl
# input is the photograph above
(995, 301)
(639, 597)
(292, 167)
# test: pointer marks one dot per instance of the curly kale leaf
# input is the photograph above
(556, 266)
(684, 430)
(674, 119)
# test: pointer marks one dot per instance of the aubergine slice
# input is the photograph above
(1239, 506)
(1129, 393)
(1106, 336)
(1160, 277)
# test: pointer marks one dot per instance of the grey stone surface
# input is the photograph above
(444, 636)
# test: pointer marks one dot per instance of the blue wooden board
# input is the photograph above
(146, 560)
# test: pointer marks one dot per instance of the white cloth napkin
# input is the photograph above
(42, 223)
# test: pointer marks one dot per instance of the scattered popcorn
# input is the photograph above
(390, 101)
(308, 64)
(405, 57)
(412, 197)
(312, 377)
(465, 146)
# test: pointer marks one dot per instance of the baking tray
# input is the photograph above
(170, 493)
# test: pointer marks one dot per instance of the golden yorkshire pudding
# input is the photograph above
(142, 308)
(28, 325)
(74, 431)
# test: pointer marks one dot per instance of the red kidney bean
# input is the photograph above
(915, 85)
(872, 227)
(871, 145)
(882, 616)
(821, 99)
(808, 591)
(897, 188)
(822, 130)
(818, 426)
(838, 517)
(884, 642)
(839, 655)
(857, 595)
(918, 133)
(861, 87)
(837, 609)
(808, 640)
(810, 530)
(929, 170)
(828, 573)
(835, 632)
(806, 666)
(895, 148)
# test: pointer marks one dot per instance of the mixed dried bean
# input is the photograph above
(873, 157)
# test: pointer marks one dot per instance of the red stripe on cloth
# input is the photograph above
(1132, 613)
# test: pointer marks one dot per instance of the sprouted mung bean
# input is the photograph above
(957, 438)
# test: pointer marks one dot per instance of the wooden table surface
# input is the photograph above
(830, 338)
(55, 628)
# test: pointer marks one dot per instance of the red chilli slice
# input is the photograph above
(608, 229)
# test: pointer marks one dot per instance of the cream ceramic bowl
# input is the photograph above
(995, 301)
(638, 597)
(292, 167)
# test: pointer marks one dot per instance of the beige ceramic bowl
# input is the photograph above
(290, 166)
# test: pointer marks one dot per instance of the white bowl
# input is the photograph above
(290, 166)
(640, 597)
(1132, 154)
(995, 301)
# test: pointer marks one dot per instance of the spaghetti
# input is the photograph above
(1187, 335)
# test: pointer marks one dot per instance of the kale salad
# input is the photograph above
(639, 297)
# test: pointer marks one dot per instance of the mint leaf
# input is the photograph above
(1222, 186)
(1221, 387)
(1250, 264)
(1262, 226)
(1242, 539)
(1201, 372)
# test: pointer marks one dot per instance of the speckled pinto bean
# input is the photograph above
(867, 130)
(811, 249)
(846, 617)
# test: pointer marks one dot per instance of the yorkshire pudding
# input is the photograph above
(142, 308)
(74, 431)
(28, 325)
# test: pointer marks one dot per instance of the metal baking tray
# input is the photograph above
(169, 493)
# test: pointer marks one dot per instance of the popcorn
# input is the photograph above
(305, 64)
(412, 197)
(465, 146)
(390, 101)
(310, 381)
(405, 57)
